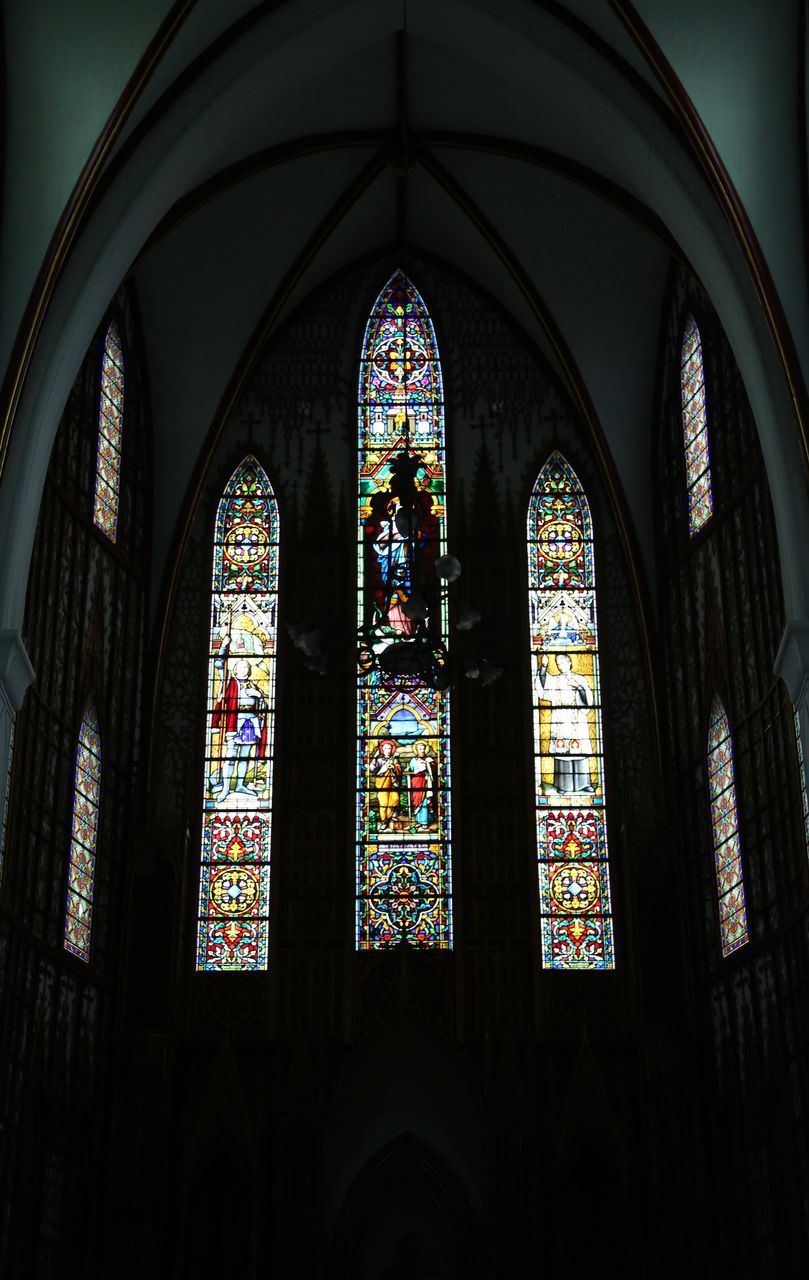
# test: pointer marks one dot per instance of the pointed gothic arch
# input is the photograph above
(404, 882)
(234, 890)
(574, 884)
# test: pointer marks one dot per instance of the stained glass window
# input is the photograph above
(403, 760)
(725, 823)
(237, 798)
(4, 826)
(802, 771)
(695, 429)
(574, 883)
(110, 430)
(83, 837)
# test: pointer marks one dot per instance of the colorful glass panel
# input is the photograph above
(234, 890)
(404, 887)
(574, 884)
(83, 838)
(695, 429)
(724, 820)
(110, 431)
(6, 801)
(802, 772)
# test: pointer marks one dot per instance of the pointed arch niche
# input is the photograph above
(574, 883)
(403, 819)
(110, 435)
(237, 795)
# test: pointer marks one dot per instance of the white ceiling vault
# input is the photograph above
(258, 153)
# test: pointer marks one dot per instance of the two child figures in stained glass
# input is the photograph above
(405, 784)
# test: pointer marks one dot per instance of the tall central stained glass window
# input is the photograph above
(574, 881)
(404, 890)
(234, 889)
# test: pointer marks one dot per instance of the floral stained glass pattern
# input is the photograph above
(110, 432)
(404, 890)
(237, 799)
(574, 882)
(83, 839)
(725, 823)
(695, 429)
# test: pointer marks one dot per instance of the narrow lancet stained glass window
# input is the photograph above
(83, 838)
(4, 827)
(235, 877)
(695, 429)
(725, 823)
(802, 771)
(110, 431)
(403, 820)
(574, 883)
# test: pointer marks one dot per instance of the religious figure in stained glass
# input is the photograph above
(574, 885)
(695, 429)
(403, 822)
(725, 824)
(237, 799)
(569, 741)
(110, 433)
(83, 838)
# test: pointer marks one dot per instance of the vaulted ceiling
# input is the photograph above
(233, 155)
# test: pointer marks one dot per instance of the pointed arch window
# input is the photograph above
(404, 889)
(574, 882)
(695, 429)
(725, 823)
(237, 796)
(83, 838)
(110, 434)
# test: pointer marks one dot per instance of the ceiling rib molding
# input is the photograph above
(583, 400)
(185, 78)
(73, 217)
(250, 166)
(562, 166)
(325, 228)
(616, 60)
(803, 130)
(420, 144)
(732, 206)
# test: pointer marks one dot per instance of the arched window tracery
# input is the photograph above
(110, 435)
(574, 883)
(695, 429)
(725, 826)
(83, 838)
(403, 760)
(237, 797)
